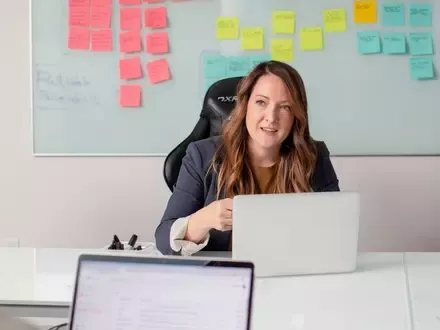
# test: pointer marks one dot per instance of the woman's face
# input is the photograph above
(269, 116)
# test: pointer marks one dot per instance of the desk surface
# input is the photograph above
(392, 291)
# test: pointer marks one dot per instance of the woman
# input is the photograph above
(265, 147)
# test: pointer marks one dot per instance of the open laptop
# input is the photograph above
(132, 292)
(297, 234)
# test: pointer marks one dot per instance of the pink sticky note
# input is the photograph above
(130, 42)
(79, 38)
(100, 16)
(129, 96)
(156, 17)
(79, 3)
(157, 42)
(129, 2)
(130, 68)
(158, 71)
(130, 18)
(152, 1)
(102, 40)
(101, 3)
(79, 16)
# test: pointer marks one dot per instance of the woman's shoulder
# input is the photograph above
(202, 151)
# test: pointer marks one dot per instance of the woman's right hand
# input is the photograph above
(219, 214)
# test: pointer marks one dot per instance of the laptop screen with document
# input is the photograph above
(127, 293)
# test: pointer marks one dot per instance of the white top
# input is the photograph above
(177, 235)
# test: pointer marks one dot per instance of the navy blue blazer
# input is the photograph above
(195, 189)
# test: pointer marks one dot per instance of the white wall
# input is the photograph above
(81, 202)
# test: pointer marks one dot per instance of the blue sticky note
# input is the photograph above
(420, 43)
(421, 68)
(257, 59)
(393, 14)
(420, 15)
(237, 66)
(394, 43)
(214, 66)
(368, 42)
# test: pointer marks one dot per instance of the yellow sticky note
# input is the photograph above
(282, 49)
(283, 22)
(311, 38)
(252, 38)
(227, 28)
(334, 20)
(365, 11)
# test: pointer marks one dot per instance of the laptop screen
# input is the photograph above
(124, 295)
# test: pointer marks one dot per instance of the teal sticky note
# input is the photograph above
(420, 15)
(421, 68)
(393, 14)
(257, 59)
(420, 43)
(368, 42)
(237, 66)
(214, 66)
(394, 43)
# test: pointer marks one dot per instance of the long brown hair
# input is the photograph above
(295, 167)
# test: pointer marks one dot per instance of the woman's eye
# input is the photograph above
(285, 107)
(261, 102)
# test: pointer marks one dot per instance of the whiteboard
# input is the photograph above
(358, 104)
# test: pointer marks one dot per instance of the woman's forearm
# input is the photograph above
(197, 228)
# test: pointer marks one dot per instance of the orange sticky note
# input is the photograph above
(130, 96)
(79, 16)
(101, 3)
(130, 42)
(156, 17)
(79, 3)
(100, 16)
(130, 18)
(157, 42)
(158, 71)
(365, 11)
(79, 38)
(130, 68)
(102, 40)
(129, 2)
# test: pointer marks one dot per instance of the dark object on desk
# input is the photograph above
(217, 106)
(117, 244)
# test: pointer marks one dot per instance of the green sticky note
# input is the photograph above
(394, 43)
(420, 15)
(393, 14)
(214, 66)
(368, 42)
(257, 59)
(420, 43)
(421, 68)
(237, 66)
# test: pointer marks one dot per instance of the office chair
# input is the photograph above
(218, 104)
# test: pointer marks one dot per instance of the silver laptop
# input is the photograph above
(129, 292)
(297, 234)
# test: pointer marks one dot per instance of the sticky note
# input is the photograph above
(394, 43)
(130, 18)
(155, 17)
(368, 42)
(421, 68)
(158, 71)
(102, 40)
(237, 66)
(334, 20)
(420, 15)
(130, 42)
(130, 68)
(79, 16)
(101, 3)
(130, 96)
(311, 38)
(100, 16)
(283, 22)
(393, 14)
(252, 38)
(214, 66)
(257, 59)
(420, 43)
(153, 1)
(157, 42)
(79, 3)
(79, 38)
(227, 28)
(282, 49)
(129, 2)
(365, 11)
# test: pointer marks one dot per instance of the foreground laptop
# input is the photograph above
(127, 293)
(297, 234)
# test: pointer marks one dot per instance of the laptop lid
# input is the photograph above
(126, 293)
(294, 234)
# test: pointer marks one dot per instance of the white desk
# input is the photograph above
(39, 283)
